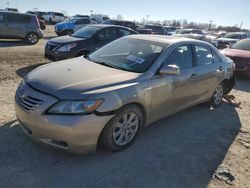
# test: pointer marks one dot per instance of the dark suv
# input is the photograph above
(84, 41)
(20, 26)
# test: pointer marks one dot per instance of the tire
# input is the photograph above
(69, 32)
(217, 97)
(119, 134)
(32, 38)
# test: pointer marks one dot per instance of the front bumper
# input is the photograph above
(51, 53)
(76, 134)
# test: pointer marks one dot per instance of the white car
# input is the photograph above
(54, 17)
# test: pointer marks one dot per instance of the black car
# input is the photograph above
(84, 41)
(156, 29)
(124, 23)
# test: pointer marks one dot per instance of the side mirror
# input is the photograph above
(170, 70)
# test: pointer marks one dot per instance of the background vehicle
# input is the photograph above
(20, 26)
(124, 86)
(54, 17)
(189, 31)
(41, 21)
(170, 30)
(124, 23)
(84, 41)
(156, 29)
(231, 38)
(11, 10)
(99, 18)
(145, 31)
(200, 37)
(69, 27)
(240, 54)
(77, 16)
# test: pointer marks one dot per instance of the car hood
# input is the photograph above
(65, 39)
(65, 25)
(76, 78)
(229, 52)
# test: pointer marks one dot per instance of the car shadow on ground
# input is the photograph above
(12, 43)
(49, 37)
(242, 84)
(25, 70)
(182, 150)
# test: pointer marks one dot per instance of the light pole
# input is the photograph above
(8, 5)
(147, 18)
(91, 12)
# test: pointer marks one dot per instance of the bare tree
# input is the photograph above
(119, 17)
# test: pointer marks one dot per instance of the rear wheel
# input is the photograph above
(122, 130)
(32, 38)
(218, 95)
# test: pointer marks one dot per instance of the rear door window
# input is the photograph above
(109, 34)
(203, 56)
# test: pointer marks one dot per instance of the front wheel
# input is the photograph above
(122, 130)
(32, 38)
(218, 96)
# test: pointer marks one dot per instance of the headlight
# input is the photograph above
(67, 47)
(75, 107)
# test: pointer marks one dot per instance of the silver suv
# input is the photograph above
(20, 26)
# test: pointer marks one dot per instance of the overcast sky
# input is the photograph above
(221, 12)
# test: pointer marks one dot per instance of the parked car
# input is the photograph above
(170, 30)
(124, 23)
(69, 27)
(20, 26)
(200, 37)
(77, 16)
(11, 10)
(84, 41)
(54, 17)
(189, 31)
(240, 54)
(145, 31)
(41, 21)
(122, 87)
(231, 38)
(156, 29)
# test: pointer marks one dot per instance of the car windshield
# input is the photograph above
(86, 32)
(133, 55)
(233, 36)
(242, 45)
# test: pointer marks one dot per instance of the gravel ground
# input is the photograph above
(184, 150)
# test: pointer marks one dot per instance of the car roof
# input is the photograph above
(163, 38)
(108, 25)
(17, 13)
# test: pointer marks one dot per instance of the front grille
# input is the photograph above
(28, 102)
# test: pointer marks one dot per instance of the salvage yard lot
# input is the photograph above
(183, 150)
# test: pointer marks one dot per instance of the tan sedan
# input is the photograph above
(106, 98)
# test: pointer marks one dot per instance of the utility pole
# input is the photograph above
(241, 25)
(147, 18)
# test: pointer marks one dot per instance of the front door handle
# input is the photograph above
(220, 69)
